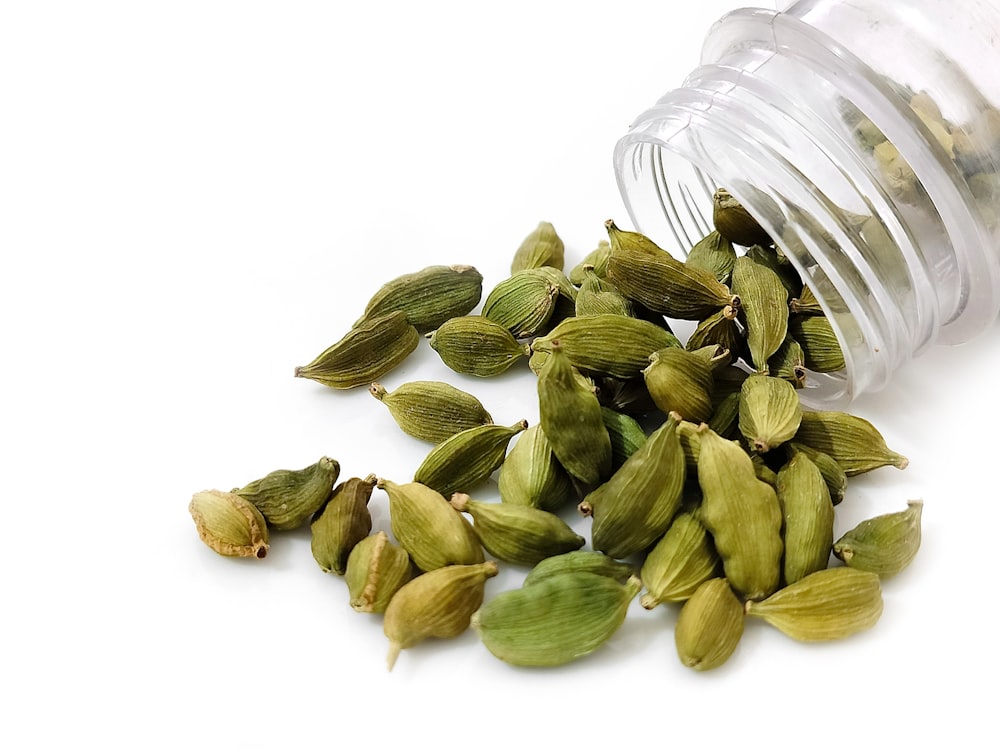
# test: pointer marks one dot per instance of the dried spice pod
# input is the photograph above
(764, 306)
(709, 626)
(775, 259)
(808, 518)
(770, 412)
(431, 410)
(734, 222)
(532, 475)
(833, 475)
(596, 259)
(428, 297)
(885, 544)
(789, 363)
(556, 620)
(629, 396)
(644, 272)
(627, 436)
(824, 606)
(522, 303)
(367, 352)
(428, 528)
(718, 328)
(518, 534)
(612, 345)
(725, 419)
(715, 254)
(580, 561)
(681, 561)
(288, 498)
(852, 441)
(474, 345)
(542, 247)
(636, 505)
(343, 522)
(376, 569)
(228, 524)
(570, 415)
(742, 514)
(820, 346)
(805, 304)
(437, 604)
(598, 296)
(678, 381)
(467, 458)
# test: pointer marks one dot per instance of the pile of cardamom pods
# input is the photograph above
(708, 484)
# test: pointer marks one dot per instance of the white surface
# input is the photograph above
(198, 196)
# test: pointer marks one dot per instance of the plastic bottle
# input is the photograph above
(812, 118)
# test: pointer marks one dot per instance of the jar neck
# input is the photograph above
(771, 116)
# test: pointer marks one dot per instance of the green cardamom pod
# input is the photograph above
(805, 304)
(437, 604)
(288, 498)
(883, 545)
(715, 254)
(789, 363)
(725, 419)
(763, 303)
(570, 415)
(808, 518)
(681, 382)
(718, 328)
(467, 458)
(690, 437)
(229, 524)
(428, 297)
(775, 259)
(897, 174)
(598, 296)
(742, 514)
(428, 528)
(540, 248)
(556, 620)
(833, 474)
(430, 410)
(368, 351)
(824, 606)
(681, 561)
(636, 505)
(852, 441)
(820, 345)
(629, 396)
(709, 626)
(596, 259)
(770, 412)
(644, 272)
(626, 434)
(734, 222)
(522, 303)
(376, 569)
(518, 534)
(474, 345)
(532, 475)
(612, 345)
(342, 523)
(580, 561)
(762, 471)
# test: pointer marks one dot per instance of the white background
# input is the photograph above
(196, 197)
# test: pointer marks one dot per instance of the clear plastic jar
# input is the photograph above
(813, 118)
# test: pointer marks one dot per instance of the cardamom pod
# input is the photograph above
(885, 544)
(461, 462)
(679, 381)
(734, 222)
(229, 524)
(742, 514)
(775, 259)
(580, 561)
(820, 345)
(522, 303)
(763, 303)
(715, 254)
(555, 620)
(428, 528)
(824, 606)
(709, 626)
(532, 475)
(542, 247)
(288, 498)
(474, 345)
(629, 396)
(852, 441)
(342, 523)
(789, 363)
(833, 475)
(598, 296)
(770, 412)
(428, 297)
(437, 604)
(681, 561)
(627, 436)
(805, 304)
(376, 569)
(636, 505)
(718, 328)
(430, 410)
(368, 351)
(596, 259)
(808, 518)
(725, 419)
(518, 534)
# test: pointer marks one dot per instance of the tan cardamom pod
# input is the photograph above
(709, 626)
(437, 604)
(428, 297)
(288, 498)
(474, 345)
(428, 528)
(764, 305)
(376, 569)
(580, 561)
(342, 523)
(430, 410)
(542, 247)
(852, 441)
(770, 412)
(367, 352)
(715, 254)
(522, 303)
(679, 381)
(742, 514)
(467, 458)
(532, 475)
(229, 524)
(518, 534)
(824, 606)
(808, 518)
(885, 544)
(683, 559)
(734, 222)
